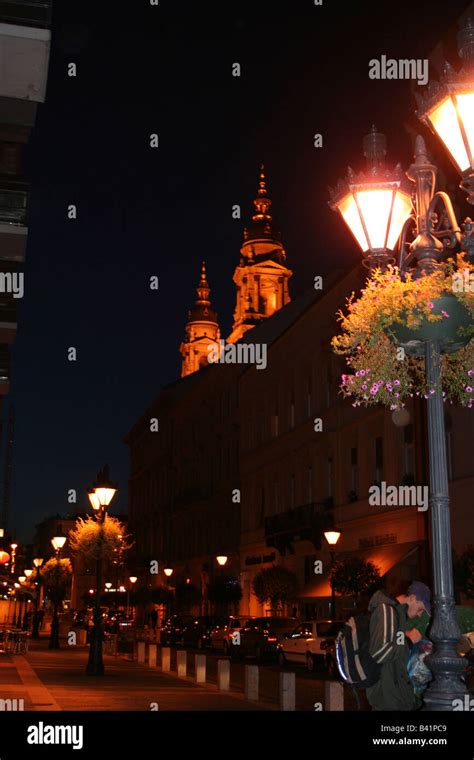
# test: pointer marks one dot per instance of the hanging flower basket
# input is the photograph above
(452, 331)
(394, 313)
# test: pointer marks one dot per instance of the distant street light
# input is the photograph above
(57, 543)
(38, 561)
(332, 537)
(100, 497)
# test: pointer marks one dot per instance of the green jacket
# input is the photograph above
(393, 691)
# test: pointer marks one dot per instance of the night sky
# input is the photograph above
(141, 211)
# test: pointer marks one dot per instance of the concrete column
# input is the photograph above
(141, 651)
(200, 665)
(333, 696)
(152, 651)
(223, 675)
(251, 683)
(182, 660)
(287, 691)
(166, 659)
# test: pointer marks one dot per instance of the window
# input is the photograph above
(378, 459)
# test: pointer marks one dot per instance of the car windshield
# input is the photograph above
(329, 628)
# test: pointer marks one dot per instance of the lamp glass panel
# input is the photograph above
(94, 500)
(375, 205)
(466, 113)
(105, 495)
(59, 542)
(332, 537)
(402, 208)
(350, 214)
(444, 119)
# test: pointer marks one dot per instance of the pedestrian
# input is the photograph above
(40, 619)
(390, 644)
(153, 618)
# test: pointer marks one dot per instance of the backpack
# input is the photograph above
(356, 665)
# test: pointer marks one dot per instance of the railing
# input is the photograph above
(26, 12)
(13, 202)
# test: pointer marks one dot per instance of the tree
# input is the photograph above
(464, 572)
(354, 576)
(276, 585)
(92, 540)
(56, 577)
(223, 591)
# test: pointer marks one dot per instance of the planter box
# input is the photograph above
(446, 331)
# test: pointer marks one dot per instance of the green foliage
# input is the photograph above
(276, 585)
(90, 539)
(56, 578)
(354, 576)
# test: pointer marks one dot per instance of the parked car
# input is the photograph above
(197, 633)
(312, 644)
(173, 629)
(224, 633)
(260, 637)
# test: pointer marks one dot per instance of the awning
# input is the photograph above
(384, 557)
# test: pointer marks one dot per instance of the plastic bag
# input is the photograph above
(418, 671)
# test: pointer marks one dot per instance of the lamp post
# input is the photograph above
(133, 579)
(448, 111)
(22, 579)
(100, 497)
(38, 561)
(28, 574)
(332, 537)
(13, 547)
(57, 543)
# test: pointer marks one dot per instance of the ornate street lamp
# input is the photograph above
(57, 543)
(168, 571)
(133, 579)
(449, 110)
(332, 537)
(221, 560)
(38, 561)
(100, 496)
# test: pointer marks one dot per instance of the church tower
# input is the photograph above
(201, 329)
(262, 274)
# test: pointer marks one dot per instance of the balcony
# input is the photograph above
(13, 201)
(24, 57)
(304, 523)
(26, 12)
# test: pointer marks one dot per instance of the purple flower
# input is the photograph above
(388, 386)
(396, 395)
(361, 372)
(444, 313)
(431, 305)
(364, 386)
(396, 382)
(470, 372)
(468, 389)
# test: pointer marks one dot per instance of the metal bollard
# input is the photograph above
(166, 659)
(141, 651)
(333, 696)
(251, 683)
(223, 675)
(287, 691)
(152, 652)
(200, 666)
(182, 662)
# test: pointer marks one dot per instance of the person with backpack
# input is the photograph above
(372, 648)
(390, 645)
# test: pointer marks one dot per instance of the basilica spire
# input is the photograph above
(202, 329)
(262, 274)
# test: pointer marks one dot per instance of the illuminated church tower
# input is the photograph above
(201, 329)
(262, 275)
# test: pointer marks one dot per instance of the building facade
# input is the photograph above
(257, 464)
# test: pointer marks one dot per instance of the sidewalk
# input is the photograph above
(56, 680)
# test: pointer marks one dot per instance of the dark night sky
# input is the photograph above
(167, 69)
